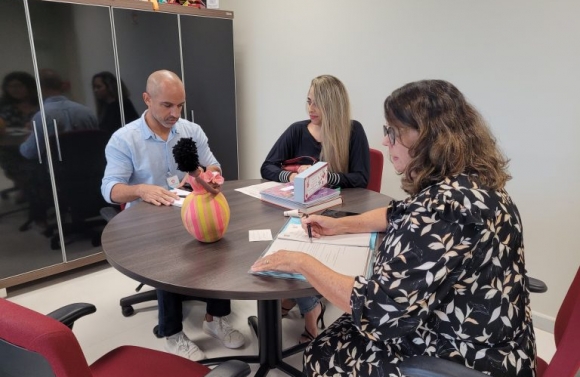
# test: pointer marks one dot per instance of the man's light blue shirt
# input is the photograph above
(69, 116)
(136, 155)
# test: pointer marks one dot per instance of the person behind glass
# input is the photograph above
(141, 167)
(106, 94)
(18, 103)
(449, 279)
(69, 115)
(329, 135)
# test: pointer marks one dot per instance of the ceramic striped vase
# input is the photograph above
(205, 215)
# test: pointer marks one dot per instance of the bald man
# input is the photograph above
(141, 167)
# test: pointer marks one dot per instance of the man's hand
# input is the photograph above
(156, 195)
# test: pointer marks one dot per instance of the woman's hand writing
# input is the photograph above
(321, 225)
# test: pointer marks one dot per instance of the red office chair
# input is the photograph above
(376, 175)
(32, 344)
(566, 360)
(564, 363)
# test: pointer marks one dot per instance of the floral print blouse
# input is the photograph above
(448, 281)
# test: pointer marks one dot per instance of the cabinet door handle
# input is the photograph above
(37, 145)
(192, 117)
(57, 140)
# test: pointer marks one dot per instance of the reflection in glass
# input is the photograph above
(24, 244)
(146, 42)
(72, 42)
(107, 101)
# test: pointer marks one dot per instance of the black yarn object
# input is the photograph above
(185, 154)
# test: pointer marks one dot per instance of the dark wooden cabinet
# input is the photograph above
(208, 65)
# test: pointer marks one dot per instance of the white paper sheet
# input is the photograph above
(254, 190)
(296, 233)
(260, 235)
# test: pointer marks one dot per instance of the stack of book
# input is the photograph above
(283, 196)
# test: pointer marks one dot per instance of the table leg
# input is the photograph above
(269, 332)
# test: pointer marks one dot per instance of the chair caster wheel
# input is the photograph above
(127, 311)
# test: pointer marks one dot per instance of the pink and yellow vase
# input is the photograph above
(205, 212)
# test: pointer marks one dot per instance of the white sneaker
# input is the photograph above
(179, 344)
(221, 329)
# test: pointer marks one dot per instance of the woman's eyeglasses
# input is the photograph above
(391, 133)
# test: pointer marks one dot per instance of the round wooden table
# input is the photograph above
(150, 245)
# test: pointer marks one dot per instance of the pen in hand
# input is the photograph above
(308, 228)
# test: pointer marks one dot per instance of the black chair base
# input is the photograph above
(128, 302)
(269, 332)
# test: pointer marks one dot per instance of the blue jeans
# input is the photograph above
(171, 310)
(306, 304)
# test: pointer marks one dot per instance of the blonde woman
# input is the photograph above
(329, 135)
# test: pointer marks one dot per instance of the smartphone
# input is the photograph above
(337, 214)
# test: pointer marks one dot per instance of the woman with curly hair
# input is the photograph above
(19, 100)
(449, 279)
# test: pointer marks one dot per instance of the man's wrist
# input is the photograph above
(138, 190)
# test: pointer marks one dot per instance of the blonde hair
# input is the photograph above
(332, 99)
(453, 137)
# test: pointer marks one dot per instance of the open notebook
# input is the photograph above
(349, 254)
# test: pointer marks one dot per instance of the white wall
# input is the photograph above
(516, 61)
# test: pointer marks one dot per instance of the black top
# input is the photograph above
(110, 119)
(297, 141)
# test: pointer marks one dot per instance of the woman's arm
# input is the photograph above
(332, 285)
(286, 147)
(272, 165)
(371, 221)
(335, 287)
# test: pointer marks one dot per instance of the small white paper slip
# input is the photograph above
(260, 235)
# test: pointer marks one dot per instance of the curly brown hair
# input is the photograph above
(453, 137)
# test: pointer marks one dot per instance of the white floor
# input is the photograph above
(98, 333)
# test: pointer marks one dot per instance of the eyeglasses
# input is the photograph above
(391, 132)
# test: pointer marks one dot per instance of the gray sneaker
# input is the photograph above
(179, 344)
(221, 329)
